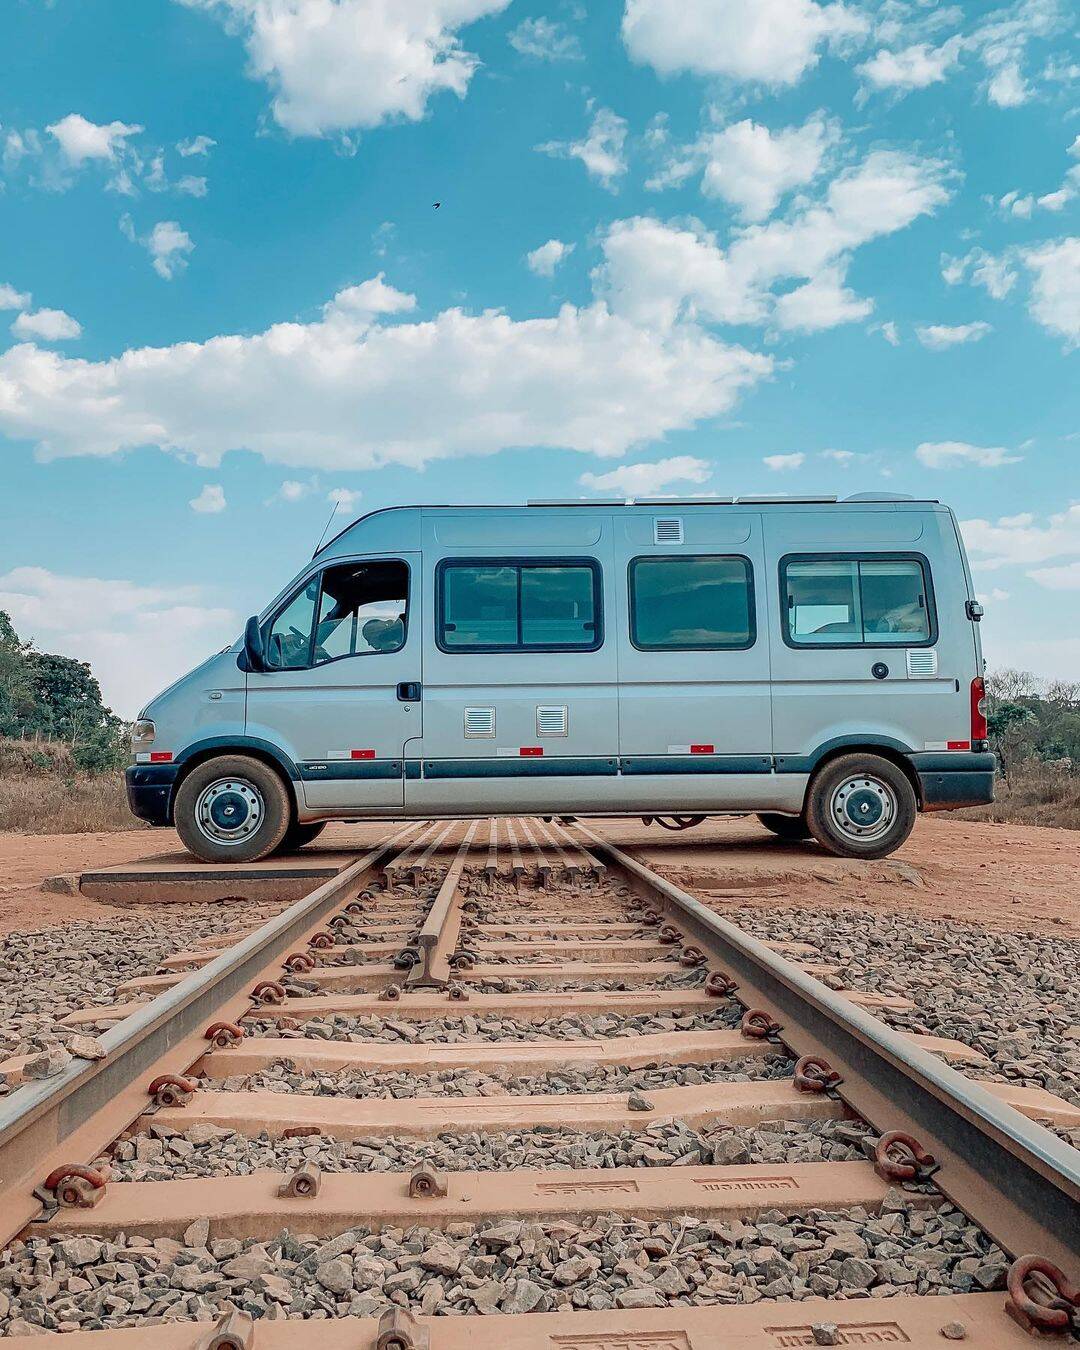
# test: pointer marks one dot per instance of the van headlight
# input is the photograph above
(143, 732)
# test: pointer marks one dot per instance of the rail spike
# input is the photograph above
(668, 934)
(391, 994)
(900, 1157)
(170, 1089)
(758, 1025)
(75, 1186)
(1041, 1298)
(719, 984)
(321, 941)
(298, 961)
(427, 1184)
(269, 991)
(303, 1184)
(692, 956)
(399, 1330)
(223, 1034)
(814, 1074)
(234, 1330)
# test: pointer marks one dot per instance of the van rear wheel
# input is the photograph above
(861, 806)
(232, 809)
(793, 828)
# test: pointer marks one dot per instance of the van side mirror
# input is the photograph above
(254, 652)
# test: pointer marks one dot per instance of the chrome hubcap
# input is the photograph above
(863, 807)
(229, 811)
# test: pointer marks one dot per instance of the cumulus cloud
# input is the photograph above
(137, 638)
(545, 40)
(602, 150)
(750, 166)
(355, 389)
(657, 273)
(50, 325)
(1064, 578)
(1055, 287)
(784, 463)
(1020, 540)
(80, 140)
(914, 67)
(167, 244)
(210, 501)
(772, 41)
(956, 454)
(646, 480)
(545, 259)
(940, 336)
(195, 145)
(10, 298)
(350, 65)
(343, 500)
(994, 274)
(1002, 42)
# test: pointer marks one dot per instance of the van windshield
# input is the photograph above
(361, 609)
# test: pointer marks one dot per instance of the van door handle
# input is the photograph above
(409, 692)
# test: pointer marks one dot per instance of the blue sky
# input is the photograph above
(682, 246)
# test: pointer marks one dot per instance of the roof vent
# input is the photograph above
(667, 530)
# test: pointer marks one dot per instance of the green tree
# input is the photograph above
(17, 701)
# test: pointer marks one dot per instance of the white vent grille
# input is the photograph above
(552, 722)
(667, 530)
(479, 722)
(922, 664)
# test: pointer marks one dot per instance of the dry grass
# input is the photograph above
(1035, 793)
(41, 792)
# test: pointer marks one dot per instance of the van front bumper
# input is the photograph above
(951, 780)
(149, 791)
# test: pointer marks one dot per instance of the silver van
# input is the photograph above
(813, 661)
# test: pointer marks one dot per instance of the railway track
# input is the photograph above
(498, 1084)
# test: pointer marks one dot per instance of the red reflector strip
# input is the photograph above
(701, 749)
(160, 756)
(531, 751)
(361, 754)
(957, 745)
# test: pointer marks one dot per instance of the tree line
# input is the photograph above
(56, 698)
(1030, 718)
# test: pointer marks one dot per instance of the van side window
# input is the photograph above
(361, 607)
(519, 606)
(848, 601)
(691, 604)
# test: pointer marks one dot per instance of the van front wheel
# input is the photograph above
(793, 828)
(232, 809)
(861, 806)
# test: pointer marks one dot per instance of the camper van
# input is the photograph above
(811, 661)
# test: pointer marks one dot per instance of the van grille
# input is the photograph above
(552, 722)
(667, 530)
(479, 722)
(922, 664)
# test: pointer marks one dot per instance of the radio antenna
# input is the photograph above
(329, 518)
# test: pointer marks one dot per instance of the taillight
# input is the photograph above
(978, 709)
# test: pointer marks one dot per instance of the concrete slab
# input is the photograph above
(178, 877)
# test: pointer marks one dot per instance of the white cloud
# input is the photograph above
(10, 298)
(352, 390)
(772, 41)
(343, 500)
(347, 65)
(1007, 87)
(1019, 541)
(994, 274)
(1055, 288)
(210, 501)
(646, 480)
(167, 244)
(889, 331)
(195, 145)
(940, 336)
(50, 325)
(841, 457)
(655, 273)
(545, 40)
(914, 67)
(137, 638)
(602, 150)
(292, 490)
(753, 168)
(80, 140)
(1002, 43)
(822, 302)
(545, 259)
(784, 463)
(955, 454)
(1064, 578)
(191, 185)
(997, 594)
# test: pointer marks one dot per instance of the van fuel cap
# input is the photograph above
(879, 670)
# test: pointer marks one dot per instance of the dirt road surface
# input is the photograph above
(1001, 876)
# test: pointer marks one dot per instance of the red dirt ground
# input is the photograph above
(1003, 876)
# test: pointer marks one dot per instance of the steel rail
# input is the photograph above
(1017, 1180)
(438, 937)
(41, 1115)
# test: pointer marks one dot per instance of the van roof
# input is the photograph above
(651, 503)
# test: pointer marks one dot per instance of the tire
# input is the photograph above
(232, 809)
(792, 828)
(297, 835)
(861, 806)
